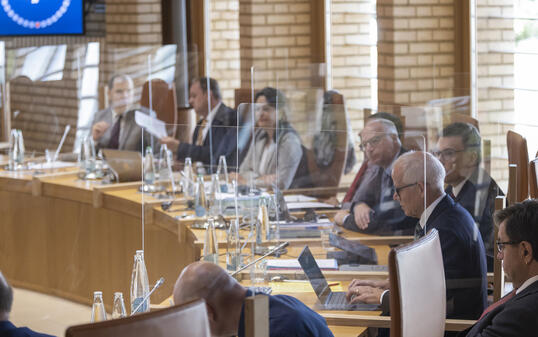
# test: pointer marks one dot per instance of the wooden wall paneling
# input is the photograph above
(196, 31)
(462, 50)
(318, 28)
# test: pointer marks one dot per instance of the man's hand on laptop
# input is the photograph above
(364, 294)
(362, 215)
(170, 142)
(382, 284)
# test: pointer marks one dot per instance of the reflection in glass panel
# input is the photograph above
(45, 63)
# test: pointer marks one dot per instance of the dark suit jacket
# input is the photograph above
(7, 329)
(220, 139)
(463, 259)
(515, 318)
(388, 217)
(478, 197)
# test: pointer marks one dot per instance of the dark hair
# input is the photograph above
(274, 98)
(118, 76)
(393, 118)
(469, 135)
(6, 295)
(213, 86)
(521, 223)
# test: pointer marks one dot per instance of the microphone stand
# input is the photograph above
(157, 285)
(276, 249)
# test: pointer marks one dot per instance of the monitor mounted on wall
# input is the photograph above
(41, 17)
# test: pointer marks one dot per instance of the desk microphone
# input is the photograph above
(157, 285)
(57, 153)
(276, 249)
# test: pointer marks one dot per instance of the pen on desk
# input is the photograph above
(334, 284)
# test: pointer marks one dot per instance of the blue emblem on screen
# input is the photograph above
(41, 17)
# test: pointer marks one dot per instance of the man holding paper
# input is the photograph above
(115, 127)
(214, 134)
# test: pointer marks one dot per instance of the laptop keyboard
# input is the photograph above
(337, 301)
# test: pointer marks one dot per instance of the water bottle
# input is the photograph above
(200, 198)
(222, 172)
(13, 149)
(187, 179)
(263, 217)
(139, 284)
(98, 307)
(20, 158)
(162, 167)
(211, 251)
(233, 246)
(149, 167)
(87, 155)
(213, 202)
(118, 310)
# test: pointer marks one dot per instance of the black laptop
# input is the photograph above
(329, 300)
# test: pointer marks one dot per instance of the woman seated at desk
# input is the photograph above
(274, 138)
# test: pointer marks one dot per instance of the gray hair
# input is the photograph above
(388, 126)
(6, 295)
(413, 163)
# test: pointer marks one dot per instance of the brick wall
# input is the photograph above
(416, 46)
(495, 69)
(224, 49)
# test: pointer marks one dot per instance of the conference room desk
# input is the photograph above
(67, 237)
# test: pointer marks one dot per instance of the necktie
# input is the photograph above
(419, 231)
(114, 141)
(351, 192)
(200, 137)
(450, 191)
(499, 302)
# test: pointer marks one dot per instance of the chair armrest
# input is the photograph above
(384, 321)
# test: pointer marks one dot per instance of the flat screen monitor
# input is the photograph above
(41, 17)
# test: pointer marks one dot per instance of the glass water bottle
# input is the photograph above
(139, 284)
(98, 308)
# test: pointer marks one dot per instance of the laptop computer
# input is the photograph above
(330, 300)
(127, 164)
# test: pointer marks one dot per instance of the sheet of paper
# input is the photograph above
(326, 264)
(152, 125)
(308, 204)
(51, 165)
(298, 198)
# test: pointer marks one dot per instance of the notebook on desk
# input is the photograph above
(329, 300)
(127, 164)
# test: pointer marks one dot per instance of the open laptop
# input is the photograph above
(127, 164)
(329, 300)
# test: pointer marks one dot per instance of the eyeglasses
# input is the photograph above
(398, 189)
(372, 142)
(446, 154)
(500, 245)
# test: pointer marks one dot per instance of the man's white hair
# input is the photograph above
(413, 164)
(388, 126)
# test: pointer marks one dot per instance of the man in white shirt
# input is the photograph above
(464, 260)
(214, 134)
(517, 247)
(459, 150)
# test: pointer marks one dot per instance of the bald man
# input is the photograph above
(373, 209)
(224, 300)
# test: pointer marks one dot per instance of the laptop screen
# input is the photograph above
(314, 275)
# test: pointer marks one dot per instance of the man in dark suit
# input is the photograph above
(214, 134)
(464, 260)
(458, 149)
(115, 126)
(7, 329)
(373, 209)
(515, 314)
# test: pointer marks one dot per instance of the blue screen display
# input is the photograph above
(41, 17)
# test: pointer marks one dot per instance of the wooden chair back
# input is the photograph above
(533, 179)
(518, 155)
(243, 95)
(418, 290)
(498, 272)
(189, 319)
(163, 101)
(326, 179)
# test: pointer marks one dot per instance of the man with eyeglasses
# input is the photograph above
(422, 197)
(516, 313)
(373, 209)
(458, 149)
